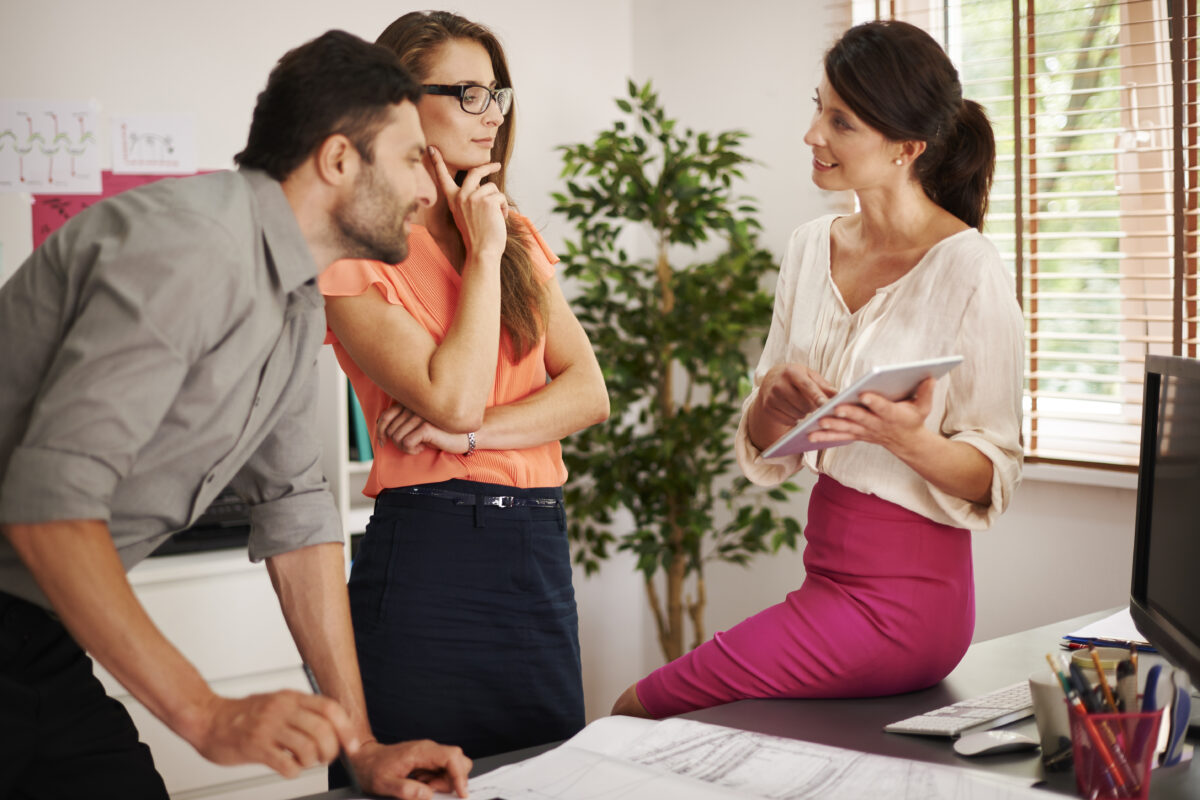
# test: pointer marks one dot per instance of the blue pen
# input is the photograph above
(1181, 711)
(1149, 706)
(1150, 694)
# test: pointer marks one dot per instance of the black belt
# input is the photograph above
(468, 499)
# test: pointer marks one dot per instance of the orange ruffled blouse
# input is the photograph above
(427, 286)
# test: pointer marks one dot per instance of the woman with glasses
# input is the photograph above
(472, 367)
(887, 602)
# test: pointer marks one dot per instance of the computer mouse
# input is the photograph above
(986, 743)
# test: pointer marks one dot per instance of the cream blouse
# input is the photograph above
(958, 299)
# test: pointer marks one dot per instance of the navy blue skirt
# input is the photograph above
(465, 622)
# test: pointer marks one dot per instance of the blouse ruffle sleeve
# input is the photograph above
(541, 255)
(350, 277)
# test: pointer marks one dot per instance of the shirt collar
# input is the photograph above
(293, 260)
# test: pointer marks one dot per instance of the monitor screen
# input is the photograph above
(1165, 591)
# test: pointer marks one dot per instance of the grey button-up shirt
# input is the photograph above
(159, 346)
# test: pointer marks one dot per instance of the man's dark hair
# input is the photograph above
(337, 83)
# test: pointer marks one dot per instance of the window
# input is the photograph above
(1094, 204)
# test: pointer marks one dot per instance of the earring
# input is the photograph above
(899, 162)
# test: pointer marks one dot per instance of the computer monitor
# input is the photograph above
(1164, 597)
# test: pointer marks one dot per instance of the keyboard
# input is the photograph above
(990, 710)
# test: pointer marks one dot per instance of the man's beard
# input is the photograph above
(371, 224)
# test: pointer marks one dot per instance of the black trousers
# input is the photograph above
(61, 735)
(464, 617)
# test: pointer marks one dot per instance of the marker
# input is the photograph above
(355, 786)
(1057, 670)
(1127, 686)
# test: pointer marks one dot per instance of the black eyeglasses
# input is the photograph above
(474, 99)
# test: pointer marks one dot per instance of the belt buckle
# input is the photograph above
(500, 502)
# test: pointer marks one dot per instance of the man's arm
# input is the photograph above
(287, 731)
(311, 584)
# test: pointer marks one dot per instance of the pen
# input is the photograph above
(1181, 710)
(355, 786)
(1149, 706)
(1150, 693)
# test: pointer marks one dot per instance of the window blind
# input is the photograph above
(1094, 205)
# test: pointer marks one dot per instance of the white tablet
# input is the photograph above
(895, 382)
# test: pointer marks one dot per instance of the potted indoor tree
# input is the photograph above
(672, 332)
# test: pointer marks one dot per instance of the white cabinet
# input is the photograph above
(346, 477)
(221, 612)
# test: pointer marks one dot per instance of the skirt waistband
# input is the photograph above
(472, 493)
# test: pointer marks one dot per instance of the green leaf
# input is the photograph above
(665, 461)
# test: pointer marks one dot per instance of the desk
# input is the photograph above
(858, 724)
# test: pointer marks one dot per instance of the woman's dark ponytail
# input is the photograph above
(897, 79)
(956, 172)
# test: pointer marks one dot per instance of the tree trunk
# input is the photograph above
(670, 635)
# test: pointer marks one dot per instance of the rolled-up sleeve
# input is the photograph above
(142, 318)
(290, 502)
(984, 401)
(769, 472)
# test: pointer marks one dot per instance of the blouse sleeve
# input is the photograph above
(776, 470)
(983, 402)
(542, 256)
(350, 277)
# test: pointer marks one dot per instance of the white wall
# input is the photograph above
(212, 58)
(1062, 549)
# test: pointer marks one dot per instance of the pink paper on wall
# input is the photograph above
(50, 211)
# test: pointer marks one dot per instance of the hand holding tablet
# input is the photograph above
(895, 382)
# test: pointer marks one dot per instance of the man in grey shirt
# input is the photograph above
(161, 346)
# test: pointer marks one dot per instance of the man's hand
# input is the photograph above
(411, 770)
(288, 731)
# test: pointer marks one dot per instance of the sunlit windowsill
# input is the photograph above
(1058, 473)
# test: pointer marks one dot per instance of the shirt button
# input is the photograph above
(257, 401)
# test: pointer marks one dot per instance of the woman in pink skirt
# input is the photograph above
(887, 604)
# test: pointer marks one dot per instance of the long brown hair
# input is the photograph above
(898, 80)
(416, 38)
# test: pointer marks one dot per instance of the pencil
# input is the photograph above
(1108, 695)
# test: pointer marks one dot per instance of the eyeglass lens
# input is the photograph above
(475, 99)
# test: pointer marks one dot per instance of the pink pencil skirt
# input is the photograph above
(887, 606)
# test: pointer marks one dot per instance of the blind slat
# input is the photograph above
(1101, 269)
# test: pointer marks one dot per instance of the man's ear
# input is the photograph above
(337, 160)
